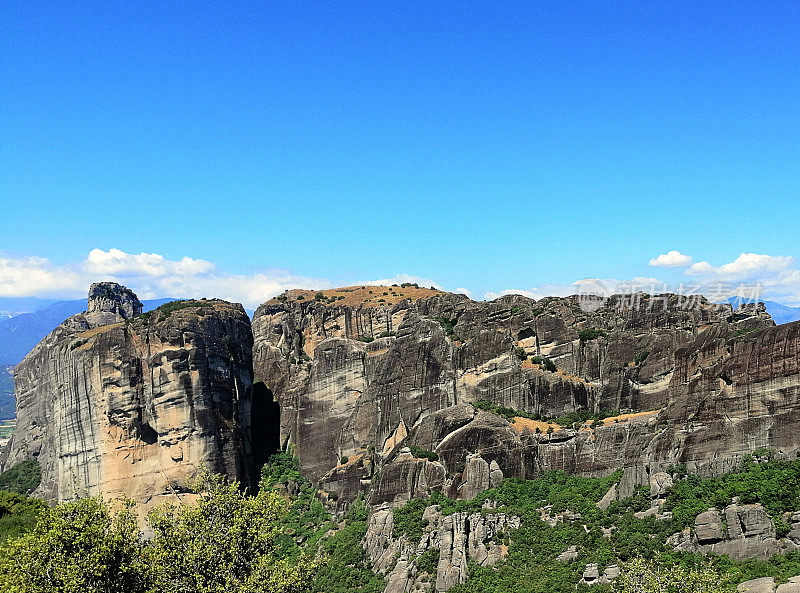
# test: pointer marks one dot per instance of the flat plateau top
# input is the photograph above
(355, 296)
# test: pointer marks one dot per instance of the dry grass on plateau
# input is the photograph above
(362, 296)
(519, 424)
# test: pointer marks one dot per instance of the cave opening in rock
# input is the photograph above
(265, 424)
(147, 433)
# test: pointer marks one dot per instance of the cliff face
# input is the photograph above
(362, 372)
(374, 386)
(113, 402)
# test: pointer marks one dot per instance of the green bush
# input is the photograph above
(448, 324)
(428, 561)
(18, 514)
(520, 353)
(586, 335)
(423, 453)
(23, 478)
(77, 547)
(641, 357)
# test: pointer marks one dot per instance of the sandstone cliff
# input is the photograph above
(362, 372)
(114, 402)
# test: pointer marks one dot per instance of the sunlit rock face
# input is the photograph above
(370, 378)
(113, 402)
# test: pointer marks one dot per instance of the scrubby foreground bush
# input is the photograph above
(227, 542)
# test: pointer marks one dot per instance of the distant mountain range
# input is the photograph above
(781, 313)
(20, 333)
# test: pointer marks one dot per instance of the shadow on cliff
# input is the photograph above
(265, 423)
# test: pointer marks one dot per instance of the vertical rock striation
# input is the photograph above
(362, 372)
(114, 402)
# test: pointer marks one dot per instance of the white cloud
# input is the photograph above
(774, 277)
(746, 266)
(30, 276)
(115, 261)
(150, 275)
(585, 286)
(400, 279)
(671, 259)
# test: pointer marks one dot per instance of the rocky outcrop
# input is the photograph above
(767, 585)
(740, 531)
(109, 302)
(593, 576)
(451, 540)
(362, 372)
(113, 402)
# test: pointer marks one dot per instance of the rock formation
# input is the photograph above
(740, 531)
(454, 540)
(114, 402)
(362, 372)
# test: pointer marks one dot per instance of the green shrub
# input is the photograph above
(423, 453)
(23, 478)
(365, 339)
(164, 311)
(548, 364)
(520, 353)
(428, 561)
(18, 514)
(586, 335)
(343, 460)
(641, 357)
(75, 547)
(448, 324)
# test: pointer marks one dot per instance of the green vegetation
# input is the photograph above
(428, 561)
(774, 484)
(345, 568)
(272, 542)
(449, 325)
(589, 334)
(520, 353)
(423, 453)
(544, 362)
(344, 459)
(745, 331)
(639, 543)
(227, 541)
(640, 576)
(163, 312)
(641, 357)
(386, 334)
(366, 339)
(22, 478)
(7, 428)
(18, 514)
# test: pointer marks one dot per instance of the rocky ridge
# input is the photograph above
(113, 402)
(359, 382)
(451, 541)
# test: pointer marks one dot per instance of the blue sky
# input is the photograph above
(484, 146)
